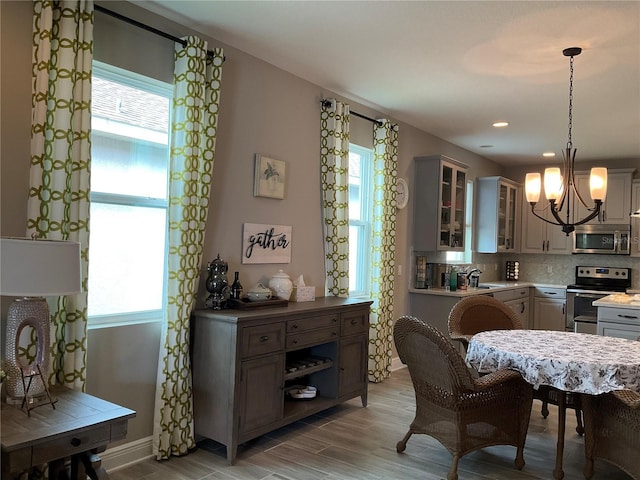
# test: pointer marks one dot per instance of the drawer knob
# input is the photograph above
(354, 322)
(264, 338)
(294, 326)
(75, 442)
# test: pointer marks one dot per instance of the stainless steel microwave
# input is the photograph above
(602, 238)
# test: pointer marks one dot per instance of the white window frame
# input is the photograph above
(364, 224)
(109, 72)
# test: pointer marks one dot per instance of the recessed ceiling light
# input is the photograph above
(501, 124)
(548, 154)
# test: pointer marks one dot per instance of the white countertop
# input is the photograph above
(495, 287)
(619, 300)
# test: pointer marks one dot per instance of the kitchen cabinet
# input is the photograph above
(539, 236)
(549, 308)
(616, 206)
(619, 322)
(498, 211)
(517, 299)
(439, 204)
(635, 221)
(246, 361)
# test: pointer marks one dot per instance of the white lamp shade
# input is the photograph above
(39, 268)
(552, 183)
(598, 183)
(532, 185)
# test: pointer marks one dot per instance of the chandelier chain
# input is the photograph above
(570, 143)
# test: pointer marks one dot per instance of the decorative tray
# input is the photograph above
(246, 304)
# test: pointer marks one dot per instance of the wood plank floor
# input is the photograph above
(349, 442)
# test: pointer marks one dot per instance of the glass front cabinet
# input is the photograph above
(439, 208)
(497, 204)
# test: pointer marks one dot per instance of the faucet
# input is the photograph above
(473, 277)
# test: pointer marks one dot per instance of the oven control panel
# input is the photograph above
(603, 273)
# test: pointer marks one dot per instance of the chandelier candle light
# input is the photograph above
(559, 186)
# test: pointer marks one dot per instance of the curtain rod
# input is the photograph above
(135, 23)
(372, 120)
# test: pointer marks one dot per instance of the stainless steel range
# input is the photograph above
(592, 283)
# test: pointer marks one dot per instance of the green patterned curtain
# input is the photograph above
(383, 241)
(58, 204)
(197, 82)
(334, 173)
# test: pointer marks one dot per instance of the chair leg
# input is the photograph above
(545, 409)
(519, 461)
(579, 426)
(402, 444)
(453, 471)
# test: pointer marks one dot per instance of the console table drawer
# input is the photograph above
(71, 445)
(313, 337)
(310, 323)
(261, 339)
(356, 322)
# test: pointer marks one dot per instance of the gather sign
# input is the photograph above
(265, 243)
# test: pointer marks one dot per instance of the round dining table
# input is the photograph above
(569, 362)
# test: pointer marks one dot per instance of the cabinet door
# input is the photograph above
(635, 221)
(521, 308)
(452, 205)
(549, 314)
(261, 392)
(353, 365)
(617, 205)
(539, 236)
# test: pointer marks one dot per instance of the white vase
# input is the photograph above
(281, 285)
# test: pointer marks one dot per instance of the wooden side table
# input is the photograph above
(68, 437)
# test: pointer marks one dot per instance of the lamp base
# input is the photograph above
(25, 356)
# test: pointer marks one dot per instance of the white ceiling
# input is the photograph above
(452, 68)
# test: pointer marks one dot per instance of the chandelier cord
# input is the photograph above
(570, 143)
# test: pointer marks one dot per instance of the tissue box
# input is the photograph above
(303, 294)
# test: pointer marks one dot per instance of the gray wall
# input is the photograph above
(263, 110)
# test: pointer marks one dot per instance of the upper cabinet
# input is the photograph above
(539, 236)
(616, 207)
(497, 214)
(439, 206)
(635, 221)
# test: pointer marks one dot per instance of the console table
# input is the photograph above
(245, 363)
(68, 437)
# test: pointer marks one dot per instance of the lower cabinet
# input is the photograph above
(246, 364)
(517, 299)
(549, 308)
(619, 322)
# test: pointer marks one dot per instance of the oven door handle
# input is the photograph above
(589, 295)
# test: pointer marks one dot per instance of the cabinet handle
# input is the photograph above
(627, 316)
(75, 442)
(294, 326)
(264, 338)
(547, 245)
(334, 334)
(522, 310)
(354, 322)
(550, 293)
(334, 319)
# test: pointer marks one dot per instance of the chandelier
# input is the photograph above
(559, 186)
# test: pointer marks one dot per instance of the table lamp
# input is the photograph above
(31, 270)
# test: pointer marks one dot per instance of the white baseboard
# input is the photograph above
(396, 364)
(124, 455)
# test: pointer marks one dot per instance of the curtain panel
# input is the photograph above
(334, 174)
(383, 241)
(58, 202)
(197, 84)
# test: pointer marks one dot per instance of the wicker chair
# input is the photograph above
(612, 431)
(480, 313)
(462, 412)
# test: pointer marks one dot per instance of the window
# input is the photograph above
(129, 196)
(466, 256)
(360, 212)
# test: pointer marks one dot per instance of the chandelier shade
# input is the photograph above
(559, 183)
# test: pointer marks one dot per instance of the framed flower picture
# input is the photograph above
(269, 177)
